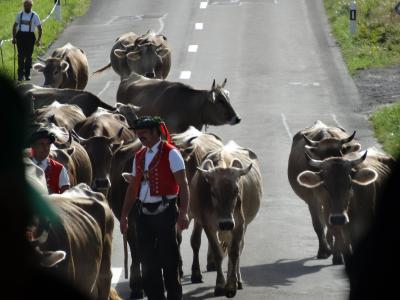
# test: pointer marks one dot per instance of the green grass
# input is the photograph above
(51, 28)
(386, 122)
(377, 40)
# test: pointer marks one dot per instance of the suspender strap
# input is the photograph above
(20, 21)
(30, 22)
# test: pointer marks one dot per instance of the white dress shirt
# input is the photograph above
(64, 178)
(176, 164)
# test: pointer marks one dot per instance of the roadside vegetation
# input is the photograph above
(376, 43)
(51, 28)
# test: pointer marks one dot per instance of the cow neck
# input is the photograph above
(155, 161)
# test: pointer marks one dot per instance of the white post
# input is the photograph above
(57, 11)
(353, 17)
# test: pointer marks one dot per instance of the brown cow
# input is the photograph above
(86, 101)
(319, 141)
(347, 188)
(148, 55)
(178, 104)
(225, 196)
(63, 115)
(66, 68)
(101, 134)
(78, 240)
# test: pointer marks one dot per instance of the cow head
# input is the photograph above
(100, 150)
(142, 58)
(331, 147)
(219, 110)
(53, 70)
(129, 111)
(334, 182)
(225, 189)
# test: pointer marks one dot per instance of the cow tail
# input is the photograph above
(101, 69)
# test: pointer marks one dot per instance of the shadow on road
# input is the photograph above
(278, 273)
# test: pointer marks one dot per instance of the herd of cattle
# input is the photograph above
(97, 146)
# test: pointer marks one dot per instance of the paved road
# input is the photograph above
(284, 72)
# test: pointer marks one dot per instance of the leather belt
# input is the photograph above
(156, 207)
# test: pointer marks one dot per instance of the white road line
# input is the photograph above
(185, 75)
(336, 121)
(193, 48)
(198, 26)
(162, 24)
(285, 124)
(203, 5)
(116, 275)
(275, 1)
(111, 20)
(104, 89)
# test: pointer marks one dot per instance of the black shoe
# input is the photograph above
(28, 77)
(20, 78)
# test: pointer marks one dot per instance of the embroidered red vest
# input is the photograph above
(161, 179)
(52, 174)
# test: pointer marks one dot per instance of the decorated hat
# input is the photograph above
(42, 133)
(146, 122)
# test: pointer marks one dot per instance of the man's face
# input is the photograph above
(41, 149)
(27, 6)
(147, 136)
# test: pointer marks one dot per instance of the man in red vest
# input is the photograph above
(158, 178)
(56, 174)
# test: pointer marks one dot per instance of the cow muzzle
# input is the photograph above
(226, 224)
(235, 120)
(338, 219)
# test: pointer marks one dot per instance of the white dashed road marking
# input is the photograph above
(203, 5)
(193, 48)
(104, 89)
(116, 275)
(285, 124)
(185, 75)
(336, 121)
(198, 26)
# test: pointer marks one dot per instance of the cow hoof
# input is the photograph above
(239, 285)
(196, 278)
(219, 291)
(323, 253)
(337, 260)
(211, 267)
(230, 292)
(136, 294)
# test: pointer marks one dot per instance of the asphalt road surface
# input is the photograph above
(284, 72)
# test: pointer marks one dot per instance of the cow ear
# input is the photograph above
(365, 176)
(51, 258)
(162, 51)
(134, 56)
(39, 67)
(309, 179)
(64, 66)
(70, 150)
(120, 53)
(127, 177)
(311, 151)
(350, 148)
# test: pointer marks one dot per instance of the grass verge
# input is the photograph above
(51, 28)
(386, 123)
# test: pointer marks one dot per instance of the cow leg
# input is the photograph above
(318, 222)
(239, 275)
(337, 258)
(135, 279)
(210, 260)
(218, 256)
(195, 242)
(233, 264)
(103, 281)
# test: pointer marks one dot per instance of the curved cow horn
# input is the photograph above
(80, 139)
(223, 84)
(41, 59)
(313, 162)
(310, 142)
(348, 139)
(213, 85)
(359, 160)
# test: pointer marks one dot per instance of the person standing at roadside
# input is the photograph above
(24, 36)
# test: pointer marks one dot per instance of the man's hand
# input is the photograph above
(123, 224)
(183, 221)
(37, 42)
(14, 40)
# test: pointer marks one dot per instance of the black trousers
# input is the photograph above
(25, 44)
(159, 254)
